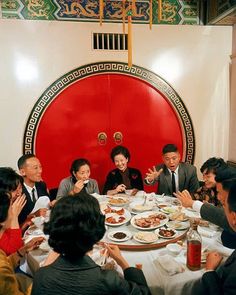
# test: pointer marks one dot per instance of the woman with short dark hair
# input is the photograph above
(75, 226)
(79, 180)
(123, 177)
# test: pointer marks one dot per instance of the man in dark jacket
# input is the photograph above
(172, 175)
(31, 170)
(222, 281)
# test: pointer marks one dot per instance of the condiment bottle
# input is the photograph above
(194, 248)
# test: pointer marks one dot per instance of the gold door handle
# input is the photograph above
(102, 138)
(118, 137)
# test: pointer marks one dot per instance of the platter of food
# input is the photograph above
(118, 201)
(109, 209)
(119, 235)
(145, 237)
(149, 220)
(117, 219)
(166, 233)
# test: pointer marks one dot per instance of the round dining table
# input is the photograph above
(160, 278)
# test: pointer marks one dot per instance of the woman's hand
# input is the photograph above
(185, 198)
(114, 252)
(213, 260)
(31, 245)
(153, 174)
(120, 188)
(79, 185)
(16, 208)
(18, 205)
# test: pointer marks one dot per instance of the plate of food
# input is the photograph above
(169, 209)
(110, 209)
(114, 219)
(178, 225)
(119, 235)
(166, 233)
(163, 205)
(145, 237)
(179, 216)
(149, 220)
(118, 201)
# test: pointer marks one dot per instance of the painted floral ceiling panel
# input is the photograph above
(173, 11)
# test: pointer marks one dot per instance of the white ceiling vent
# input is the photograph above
(110, 41)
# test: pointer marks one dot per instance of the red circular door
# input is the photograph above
(108, 103)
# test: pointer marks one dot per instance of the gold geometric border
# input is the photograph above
(111, 67)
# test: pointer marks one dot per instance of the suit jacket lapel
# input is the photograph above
(181, 178)
(168, 179)
(231, 258)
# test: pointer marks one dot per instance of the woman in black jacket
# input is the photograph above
(123, 177)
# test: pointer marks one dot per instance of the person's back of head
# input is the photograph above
(9, 179)
(212, 165)
(75, 225)
(169, 148)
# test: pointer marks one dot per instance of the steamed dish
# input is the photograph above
(148, 237)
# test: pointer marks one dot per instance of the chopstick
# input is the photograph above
(104, 257)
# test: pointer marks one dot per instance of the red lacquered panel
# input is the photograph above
(105, 103)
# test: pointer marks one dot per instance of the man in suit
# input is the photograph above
(31, 170)
(222, 281)
(225, 178)
(172, 175)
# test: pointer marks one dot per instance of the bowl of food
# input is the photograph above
(174, 249)
(166, 233)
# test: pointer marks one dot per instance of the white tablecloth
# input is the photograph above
(158, 280)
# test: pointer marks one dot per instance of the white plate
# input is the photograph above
(121, 201)
(178, 225)
(140, 207)
(157, 231)
(111, 234)
(182, 220)
(145, 215)
(143, 241)
(126, 215)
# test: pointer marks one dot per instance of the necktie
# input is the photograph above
(33, 196)
(173, 182)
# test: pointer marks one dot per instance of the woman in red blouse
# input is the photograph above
(10, 232)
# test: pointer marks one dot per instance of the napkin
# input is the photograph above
(42, 202)
(169, 264)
